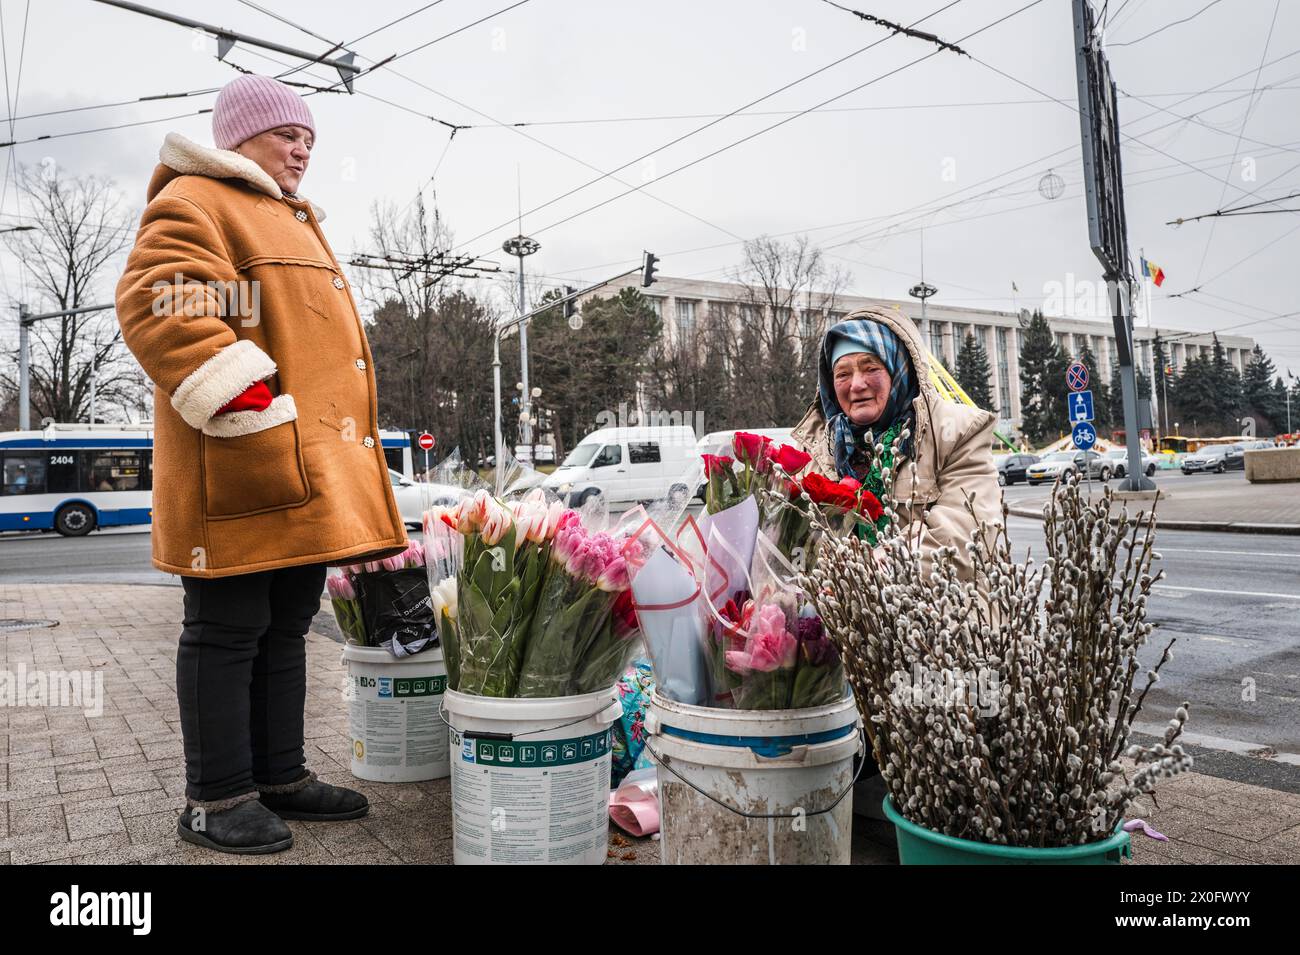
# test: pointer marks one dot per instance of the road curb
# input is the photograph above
(1215, 527)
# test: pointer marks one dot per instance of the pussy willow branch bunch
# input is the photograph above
(1034, 758)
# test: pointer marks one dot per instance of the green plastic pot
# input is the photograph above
(920, 846)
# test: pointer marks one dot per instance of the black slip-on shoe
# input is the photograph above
(315, 802)
(246, 829)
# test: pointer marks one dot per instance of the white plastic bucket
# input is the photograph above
(530, 778)
(398, 735)
(754, 786)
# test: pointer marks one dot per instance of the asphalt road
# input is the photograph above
(1230, 600)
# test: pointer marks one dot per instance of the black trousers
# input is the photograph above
(241, 679)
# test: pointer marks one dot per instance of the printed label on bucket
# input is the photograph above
(525, 755)
(531, 800)
(394, 722)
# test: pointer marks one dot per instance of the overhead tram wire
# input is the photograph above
(455, 128)
(745, 139)
(605, 175)
(1111, 46)
(684, 136)
(1035, 162)
(1245, 119)
(886, 230)
(1124, 135)
(947, 202)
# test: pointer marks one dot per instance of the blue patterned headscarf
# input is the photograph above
(863, 335)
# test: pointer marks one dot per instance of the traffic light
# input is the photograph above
(649, 269)
(1169, 372)
(570, 304)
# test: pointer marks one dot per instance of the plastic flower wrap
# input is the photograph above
(819, 673)
(444, 550)
(394, 602)
(506, 554)
(574, 645)
(770, 651)
(845, 506)
(347, 608)
(765, 666)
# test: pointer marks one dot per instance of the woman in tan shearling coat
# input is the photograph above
(267, 460)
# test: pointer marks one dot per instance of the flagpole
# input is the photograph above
(1157, 375)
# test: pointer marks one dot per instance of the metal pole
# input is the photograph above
(519, 320)
(496, 395)
(94, 374)
(24, 370)
(25, 320)
(1135, 479)
(525, 400)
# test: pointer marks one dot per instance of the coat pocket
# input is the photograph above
(252, 462)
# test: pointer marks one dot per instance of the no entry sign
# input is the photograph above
(1077, 376)
(426, 441)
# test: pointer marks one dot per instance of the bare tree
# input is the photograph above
(81, 229)
(788, 294)
(430, 339)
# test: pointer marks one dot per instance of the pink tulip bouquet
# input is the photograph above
(576, 644)
(506, 551)
(347, 608)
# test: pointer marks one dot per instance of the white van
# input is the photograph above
(626, 465)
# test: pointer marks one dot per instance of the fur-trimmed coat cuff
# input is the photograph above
(219, 380)
(232, 424)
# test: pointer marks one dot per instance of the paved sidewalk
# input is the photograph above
(1243, 507)
(108, 788)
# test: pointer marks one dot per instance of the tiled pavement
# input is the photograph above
(108, 788)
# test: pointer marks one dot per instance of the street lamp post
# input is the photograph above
(647, 270)
(521, 246)
(923, 290)
(25, 321)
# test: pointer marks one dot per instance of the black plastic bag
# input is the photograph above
(397, 610)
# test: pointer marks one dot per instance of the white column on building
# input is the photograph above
(1013, 367)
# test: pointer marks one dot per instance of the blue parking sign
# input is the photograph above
(1079, 404)
(1084, 436)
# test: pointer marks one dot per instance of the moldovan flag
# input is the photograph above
(1156, 273)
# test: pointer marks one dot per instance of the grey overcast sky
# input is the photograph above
(947, 144)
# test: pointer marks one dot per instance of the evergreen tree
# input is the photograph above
(1199, 398)
(973, 372)
(1257, 390)
(1097, 384)
(1227, 382)
(1042, 383)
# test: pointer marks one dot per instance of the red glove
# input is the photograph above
(256, 397)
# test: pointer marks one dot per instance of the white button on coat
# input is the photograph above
(338, 282)
(361, 364)
(300, 216)
(368, 441)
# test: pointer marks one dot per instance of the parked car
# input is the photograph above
(1013, 467)
(626, 465)
(1235, 459)
(1062, 463)
(1212, 457)
(1118, 458)
(413, 497)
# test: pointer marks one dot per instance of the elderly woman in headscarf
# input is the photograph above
(873, 386)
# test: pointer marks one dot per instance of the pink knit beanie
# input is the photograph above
(249, 105)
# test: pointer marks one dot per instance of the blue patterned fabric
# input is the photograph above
(863, 335)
